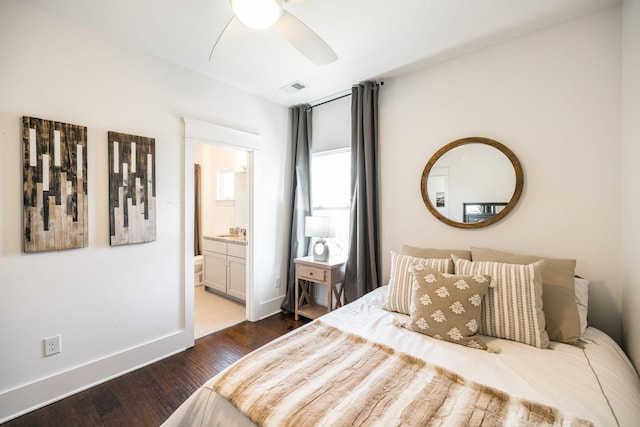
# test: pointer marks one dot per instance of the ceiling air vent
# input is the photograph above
(293, 87)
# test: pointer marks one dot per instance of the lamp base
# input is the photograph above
(321, 251)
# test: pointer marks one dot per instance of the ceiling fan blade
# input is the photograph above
(304, 39)
(220, 36)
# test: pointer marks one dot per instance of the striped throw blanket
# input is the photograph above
(322, 376)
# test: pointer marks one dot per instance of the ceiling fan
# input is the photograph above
(262, 14)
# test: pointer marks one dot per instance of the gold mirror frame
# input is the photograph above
(517, 192)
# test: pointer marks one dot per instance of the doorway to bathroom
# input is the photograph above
(211, 134)
(221, 219)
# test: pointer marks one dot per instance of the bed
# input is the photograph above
(319, 374)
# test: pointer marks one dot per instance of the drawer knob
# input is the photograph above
(311, 273)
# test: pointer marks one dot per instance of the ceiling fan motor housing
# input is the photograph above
(257, 14)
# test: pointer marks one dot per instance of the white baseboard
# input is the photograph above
(26, 398)
(270, 307)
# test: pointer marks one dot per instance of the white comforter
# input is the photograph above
(597, 384)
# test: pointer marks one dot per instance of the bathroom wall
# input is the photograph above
(218, 216)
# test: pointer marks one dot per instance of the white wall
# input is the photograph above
(553, 98)
(116, 307)
(631, 177)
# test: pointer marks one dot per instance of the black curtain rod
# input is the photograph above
(330, 100)
(338, 97)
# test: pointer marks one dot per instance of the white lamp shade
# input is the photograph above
(319, 226)
(257, 14)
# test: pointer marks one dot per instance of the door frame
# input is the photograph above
(199, 132)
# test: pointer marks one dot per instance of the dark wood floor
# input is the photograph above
(147, 396)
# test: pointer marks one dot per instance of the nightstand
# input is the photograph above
(329, 274)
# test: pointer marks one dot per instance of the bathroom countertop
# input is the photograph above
(228, 238)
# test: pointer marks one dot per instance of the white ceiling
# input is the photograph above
(373, 38)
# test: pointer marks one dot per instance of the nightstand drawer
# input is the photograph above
(313, 274)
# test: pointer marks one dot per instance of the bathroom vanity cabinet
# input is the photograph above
(225, 267)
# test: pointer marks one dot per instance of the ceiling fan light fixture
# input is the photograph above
(257, 14)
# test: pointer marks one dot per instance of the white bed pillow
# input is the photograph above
(582, 300)
(401, 280)
(512, 309)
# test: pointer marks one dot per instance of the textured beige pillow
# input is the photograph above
(430, 253)
(512, 309)
(558, 292)
(447, 306)
(400, 280)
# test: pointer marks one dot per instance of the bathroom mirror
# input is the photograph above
(472, 182)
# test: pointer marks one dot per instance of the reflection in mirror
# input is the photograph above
(472, 182)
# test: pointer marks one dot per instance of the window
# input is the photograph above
(330, 193)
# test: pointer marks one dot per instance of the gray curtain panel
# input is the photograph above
(362, 267)
(300, 121)
(197, 232)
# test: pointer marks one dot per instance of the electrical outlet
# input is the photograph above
(277, 282)
(52, 345)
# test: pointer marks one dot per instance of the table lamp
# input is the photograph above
(321, 227)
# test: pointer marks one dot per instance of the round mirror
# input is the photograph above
(472, 182)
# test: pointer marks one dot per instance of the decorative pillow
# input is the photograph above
(582, 300)
(436, 253)
(447, 306)
(558, 295)
(513, 308)
(400, 280)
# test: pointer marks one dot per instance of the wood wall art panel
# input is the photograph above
(132, 189)
(55, 205)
